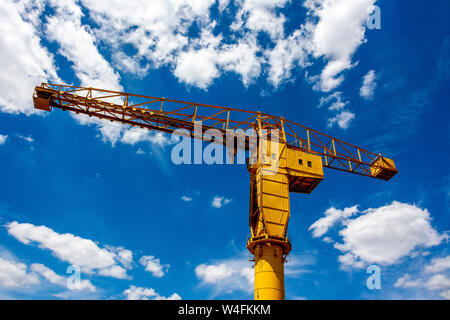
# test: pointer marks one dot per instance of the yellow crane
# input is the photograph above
(288, 157)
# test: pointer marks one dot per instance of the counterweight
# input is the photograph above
(299, 155)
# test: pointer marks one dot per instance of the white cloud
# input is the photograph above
(335, 101)
(140, 293)
(16, 275)
(186, 198)
(136, 135)
(54, 278)
(368, 238)
(114, 271)
(207, 57)
(159, 32)
(332, 216)
(407, 282)
(219, 201)
(287, 54)
(3, 139)
(437, 282)
(48, 274)
(174, 296)
(261, 16)
(336, 104)
(124, 256)
(154, 266)
(28, 139)
(241, 58)
(23, 60)
(70, 248)
(213, 273)
(369, 85)
(197, 67)
(227, 276)
(342, 119)
(337, 35)
(79, 45)
(438, 265)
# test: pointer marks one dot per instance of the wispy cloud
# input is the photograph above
(28, 139)
(369, 85)
(3, 139)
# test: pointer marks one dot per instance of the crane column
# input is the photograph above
(275, 171)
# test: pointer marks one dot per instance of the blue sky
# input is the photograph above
(109, 199)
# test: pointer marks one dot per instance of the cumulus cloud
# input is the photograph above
(332, 216)
(154, 266)
(369, 85)
(219, 202)
(207, 57)
(368, 238)
(186, 198)
(213, 273)
(16, 275)
(70, 248)
(257, 16)
(197, 67)
(141, 293)
(337, 35)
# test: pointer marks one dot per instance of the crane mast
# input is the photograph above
(289, 159)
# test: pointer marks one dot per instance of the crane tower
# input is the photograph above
(299, 155)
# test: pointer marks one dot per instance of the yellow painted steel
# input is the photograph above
(269, 272)
(382, 165)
